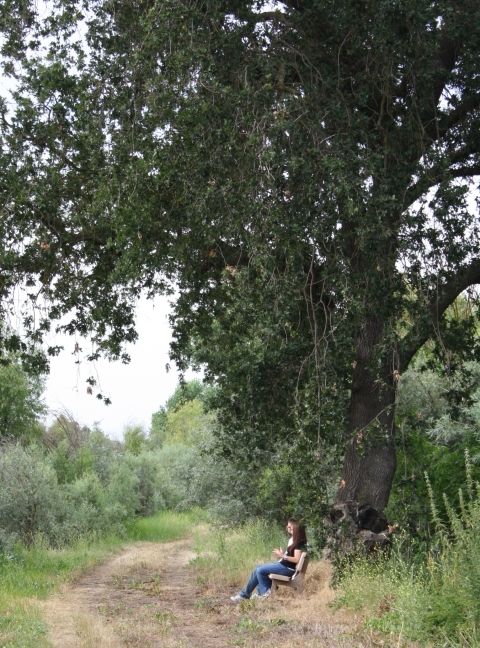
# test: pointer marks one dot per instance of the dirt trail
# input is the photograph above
(147, 596)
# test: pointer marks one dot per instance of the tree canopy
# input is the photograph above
(301, 174)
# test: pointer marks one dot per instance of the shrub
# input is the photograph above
(175, 472)
(145, 466)
(455, 566)
(88, 511)
(29, 495)
(122, 489)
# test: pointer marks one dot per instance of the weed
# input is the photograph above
(110, 611)
(435, 602)
(257, 627)
(165, 620)
(248, 624)
(117, 580)
(207, 604)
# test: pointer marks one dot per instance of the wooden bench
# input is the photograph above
(296, 580)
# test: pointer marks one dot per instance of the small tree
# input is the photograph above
(21, 404)
(181, 411)
(134, 438)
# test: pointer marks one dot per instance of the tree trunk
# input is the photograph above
(370, 459)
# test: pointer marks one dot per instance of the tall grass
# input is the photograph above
(165, 525)
(436, 603)
(226, 556)
(30, 574)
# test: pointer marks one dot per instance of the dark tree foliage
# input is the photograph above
(299, 173)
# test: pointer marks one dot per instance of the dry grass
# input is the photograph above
(92, 633)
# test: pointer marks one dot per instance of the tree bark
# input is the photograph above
(370, 460)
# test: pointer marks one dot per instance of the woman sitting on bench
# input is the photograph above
(286, 566)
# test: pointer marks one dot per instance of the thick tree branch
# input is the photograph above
(276, 16)
(439, 128)
(447, 56)
(465, 171)
(434, 176)
(449, 292)
(295, 4)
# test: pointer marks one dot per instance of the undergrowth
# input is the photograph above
(435, 601)
(29, 575)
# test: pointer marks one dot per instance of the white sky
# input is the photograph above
(136, 390)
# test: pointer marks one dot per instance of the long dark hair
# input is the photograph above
(299, 535)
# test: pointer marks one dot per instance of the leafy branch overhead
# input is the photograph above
(302, 175)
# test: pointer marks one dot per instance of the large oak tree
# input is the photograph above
(299, 171)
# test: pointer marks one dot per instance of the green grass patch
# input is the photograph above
(165, 525)
(35, 572)
(21, 626)
(434, 604)
(390, 595)
(432, 598)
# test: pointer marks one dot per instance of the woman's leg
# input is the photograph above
(264, 582)
(251, 585)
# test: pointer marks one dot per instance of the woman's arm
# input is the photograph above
(297, 554)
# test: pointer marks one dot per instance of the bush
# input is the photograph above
(455, 566)
(88, 511)
(122, 489)
(175, 472)
(145, 467)
(30, 501)
(33, 503)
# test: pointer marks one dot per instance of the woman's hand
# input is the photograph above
(278, 553)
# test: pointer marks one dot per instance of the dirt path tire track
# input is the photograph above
(147, 597)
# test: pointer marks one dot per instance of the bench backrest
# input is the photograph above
(302, 563)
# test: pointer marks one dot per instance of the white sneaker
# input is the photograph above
(238, 597)
(261, 596)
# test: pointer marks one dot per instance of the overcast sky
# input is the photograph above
(136, 390)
